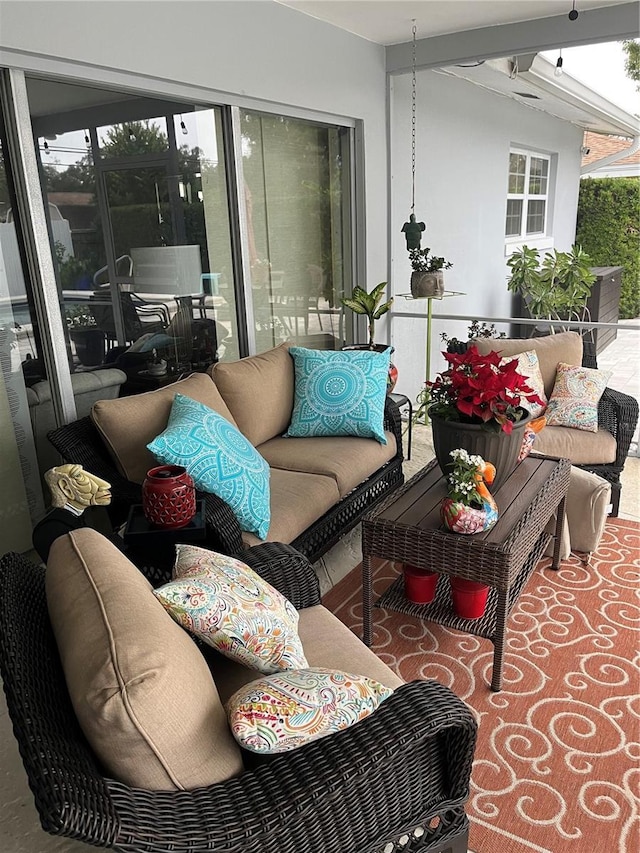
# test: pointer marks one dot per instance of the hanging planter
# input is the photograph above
(426, 285)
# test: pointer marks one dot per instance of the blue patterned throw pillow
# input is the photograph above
(339, 393)
(220, 460)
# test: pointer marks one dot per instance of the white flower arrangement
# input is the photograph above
(463, 478)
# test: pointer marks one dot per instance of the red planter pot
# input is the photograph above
(469, 598)
(168, 497)
(419, 584)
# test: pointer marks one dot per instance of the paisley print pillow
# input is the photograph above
(287, 710)
(230, 607)
(339, 393)
(529, 367)
(575, 396)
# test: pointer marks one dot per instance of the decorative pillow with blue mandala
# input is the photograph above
(339, 393)
(227, 605)
(289, 709)
(219, 459)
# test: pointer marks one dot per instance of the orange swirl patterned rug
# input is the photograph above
(557, 766)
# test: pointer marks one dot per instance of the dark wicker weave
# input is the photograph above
(406, 766)
(80, 442)
(618, 414)
(407, 528)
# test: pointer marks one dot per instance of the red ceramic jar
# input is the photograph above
(168, 497)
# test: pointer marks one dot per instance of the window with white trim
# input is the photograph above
(528, 193)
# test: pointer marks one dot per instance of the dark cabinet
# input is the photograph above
(604, 303)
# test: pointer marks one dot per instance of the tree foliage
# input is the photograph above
(607, 228)
(632, 62)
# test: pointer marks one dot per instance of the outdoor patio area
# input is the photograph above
(621, 357)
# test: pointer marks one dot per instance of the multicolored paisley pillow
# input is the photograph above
(529, 367)
(287, 710)
(229, 606)
(339, 393)
(575, 396)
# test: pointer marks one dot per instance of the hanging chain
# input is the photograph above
(413, 119)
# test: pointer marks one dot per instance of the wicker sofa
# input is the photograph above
(320, 487)
(396, 780)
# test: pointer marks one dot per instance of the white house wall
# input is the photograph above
(258, 50)
(462, 152)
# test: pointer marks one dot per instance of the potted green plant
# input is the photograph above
(427, 278)
(554, 288)
(368, 304)
(89, 341)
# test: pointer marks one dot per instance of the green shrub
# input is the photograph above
(608, 229)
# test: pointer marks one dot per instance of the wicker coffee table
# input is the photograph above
(406, 528)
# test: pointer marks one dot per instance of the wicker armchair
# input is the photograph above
(80, 442)
(395, 781)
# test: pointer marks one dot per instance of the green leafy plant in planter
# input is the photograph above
(427, 278)
(554, 288)
(368, 304)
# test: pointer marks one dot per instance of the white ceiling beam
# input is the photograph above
(594, 26)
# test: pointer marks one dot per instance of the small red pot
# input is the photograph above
(419, 584)
(168, 497)
(469, 598)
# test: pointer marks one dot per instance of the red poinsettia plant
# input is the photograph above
(480, 389)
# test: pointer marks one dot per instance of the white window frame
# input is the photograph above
(537, 238)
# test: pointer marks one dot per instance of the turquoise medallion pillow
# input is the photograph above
(292, 708)
(339, 393)
(220, 460)
(231, 608)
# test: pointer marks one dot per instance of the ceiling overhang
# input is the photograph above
(530, 80)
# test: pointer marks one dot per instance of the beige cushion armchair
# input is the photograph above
(603, 452)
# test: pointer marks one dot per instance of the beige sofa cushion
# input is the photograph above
(551, 349)
(297, 500)
(348, 460)
(128, 424)
(141, 690)
(327, 642)
(582, 448)
(259, 392)
(586, 510)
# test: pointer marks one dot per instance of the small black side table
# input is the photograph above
(402, 400)
(153, 547)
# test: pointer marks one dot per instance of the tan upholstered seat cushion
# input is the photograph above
(141, 690)
(581, 447)
(297, 500)
(326, 642)
(347, 459)
(551, 349)
(259, 392)
(586, 510)
(128, 424)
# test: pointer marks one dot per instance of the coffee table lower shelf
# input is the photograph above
(440, 610)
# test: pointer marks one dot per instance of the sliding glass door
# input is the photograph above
(296, 194)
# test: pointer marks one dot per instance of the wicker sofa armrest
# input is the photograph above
(393, 423)
(286, 569)
(335, 794)
(618, 414)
